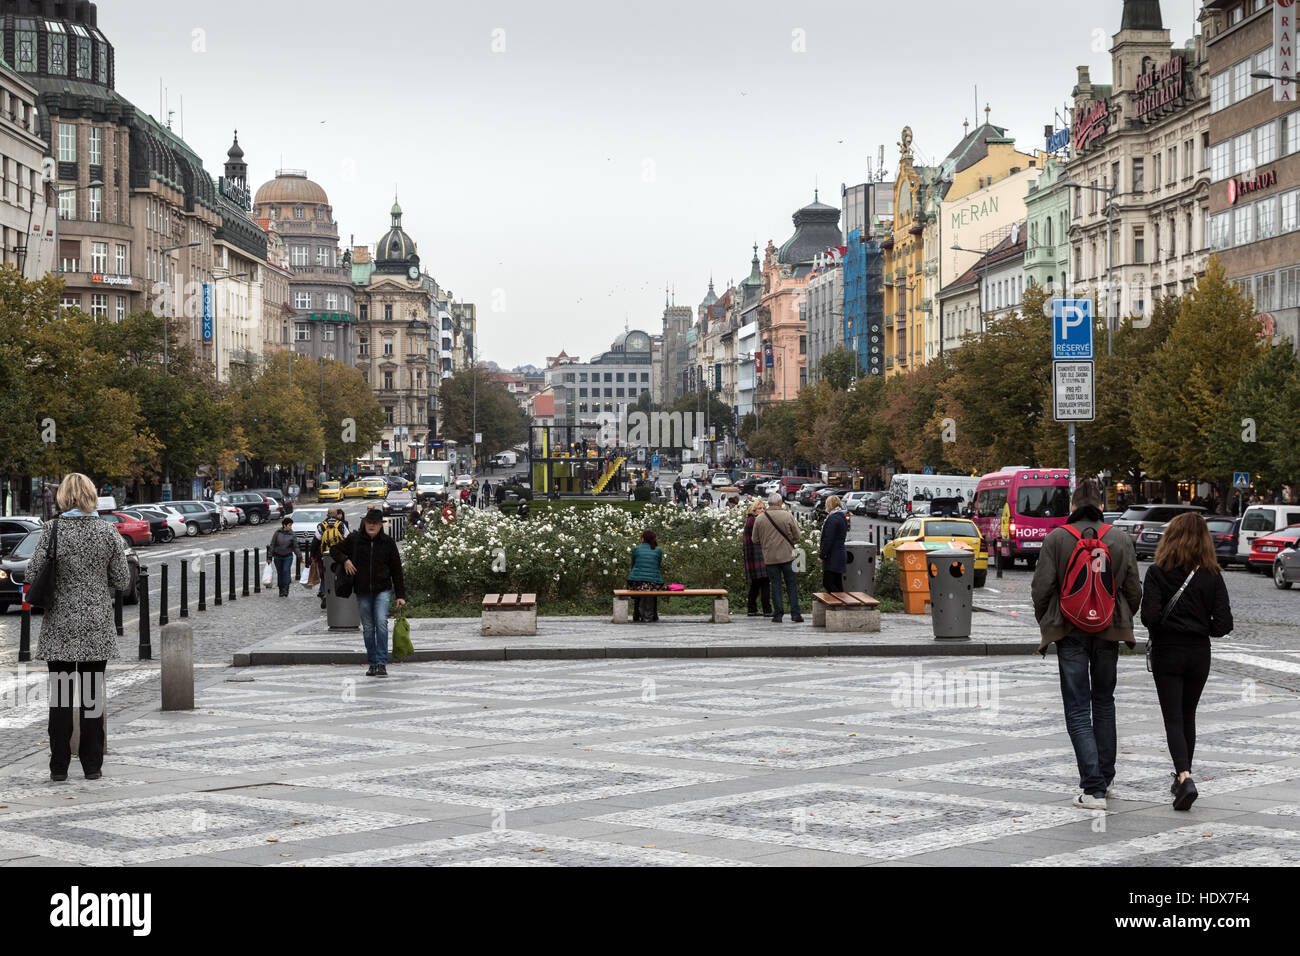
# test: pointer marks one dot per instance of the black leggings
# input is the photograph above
(760, 588)
(1180, 668)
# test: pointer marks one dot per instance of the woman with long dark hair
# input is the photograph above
(1184, 604)
(755, 569)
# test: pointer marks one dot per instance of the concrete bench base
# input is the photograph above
(841, 619)
(513, 622)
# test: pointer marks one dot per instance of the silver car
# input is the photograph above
(1286, 567)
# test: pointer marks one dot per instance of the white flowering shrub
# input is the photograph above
(580, 552)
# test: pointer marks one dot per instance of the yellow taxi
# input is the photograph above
(939, 533)
(330, 491)
(367, 488)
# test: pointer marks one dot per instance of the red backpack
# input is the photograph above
(1088, 590)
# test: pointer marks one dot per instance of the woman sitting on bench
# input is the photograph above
(647, 562)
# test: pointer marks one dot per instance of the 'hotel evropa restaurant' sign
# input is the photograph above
(1158, 87)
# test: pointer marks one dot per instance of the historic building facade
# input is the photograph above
(602, 389)
(1141, 143)
(1255, 157)
(26, 213)
(1047, 212)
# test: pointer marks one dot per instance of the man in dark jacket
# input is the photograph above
(1088, 661)
(833, 552)
(371, 557)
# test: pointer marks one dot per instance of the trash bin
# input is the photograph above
(860, 571)
(342, 614)
(952, 582)
(912, 577)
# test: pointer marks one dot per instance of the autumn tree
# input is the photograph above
(1259, 431)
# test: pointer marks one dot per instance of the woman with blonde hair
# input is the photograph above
(78, 636)
(755, 569)
(1184, 604)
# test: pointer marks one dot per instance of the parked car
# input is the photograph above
(286, 505)
(198, 519)
(133, 530)
(855, 502)
(820, 498)
(1140, 518)
(1223, 529)
(1265, 549)
(1259, 520)
(936, 533)
(804, 495)
(256, 508)
(1286, 567)
(720, 479)
(372, 487)
(164, 525)
(14, 529)
(330, 491)
(398, 483)
(791, 484)
(751, 482)
(13, 568)
(398, 502)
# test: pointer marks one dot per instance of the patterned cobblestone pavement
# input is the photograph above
(782, 761)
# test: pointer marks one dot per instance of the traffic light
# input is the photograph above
(384, 444)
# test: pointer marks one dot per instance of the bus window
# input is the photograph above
(1043, 501)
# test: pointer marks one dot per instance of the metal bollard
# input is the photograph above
(146, 645)
(203, 590)
(297, 566)
(245, 572)
(998, 556)
(117, 613)
(231, 595)
(25, 630)
(257, 570)
(185, 589)
(216, 591)
(162, 597)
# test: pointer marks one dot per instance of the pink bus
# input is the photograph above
(1038, 500)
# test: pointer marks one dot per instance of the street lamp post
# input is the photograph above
(1110, 250)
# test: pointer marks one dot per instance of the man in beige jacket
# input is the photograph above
(1088, 662)
(777, 534)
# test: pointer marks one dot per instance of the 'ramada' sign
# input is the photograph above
(1284, 61)
(1240, 187)
(1090, 122)
(1159, 87)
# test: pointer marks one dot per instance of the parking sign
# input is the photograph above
(1072, 329)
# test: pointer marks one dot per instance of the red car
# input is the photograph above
(133, 530)
(1265, 549)
(791, 484)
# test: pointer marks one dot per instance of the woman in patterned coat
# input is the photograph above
(755, 569)
(78, 636)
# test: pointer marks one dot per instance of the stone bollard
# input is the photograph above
(178, 666)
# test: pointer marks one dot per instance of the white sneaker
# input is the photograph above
(1086, 801)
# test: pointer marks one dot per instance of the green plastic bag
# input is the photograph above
(402, 646)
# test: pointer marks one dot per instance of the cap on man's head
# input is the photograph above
(374, 516)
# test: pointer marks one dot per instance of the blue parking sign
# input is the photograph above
(1071, 329)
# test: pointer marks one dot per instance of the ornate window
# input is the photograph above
(25, 46)
(299, 212)
(56, 42)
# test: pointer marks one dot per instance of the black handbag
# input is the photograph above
(342, 582)
(1164, 616)
(40, 592)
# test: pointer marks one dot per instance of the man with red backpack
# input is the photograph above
(1086, 592)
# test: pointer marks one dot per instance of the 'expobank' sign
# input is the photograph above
(1284, 50)
(1158, 87)
(1090, 122)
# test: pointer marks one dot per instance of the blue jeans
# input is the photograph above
(777, 572)
(374, 625)
(284, 571)
(1087, 665)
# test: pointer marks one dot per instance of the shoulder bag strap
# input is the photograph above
(1177, 594)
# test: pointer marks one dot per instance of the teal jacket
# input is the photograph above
(645, 564)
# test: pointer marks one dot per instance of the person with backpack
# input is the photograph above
(1086, 591)
(778, 536)
(1184, 604)
(329, 532)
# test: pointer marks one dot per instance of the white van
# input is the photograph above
(1260, 520)
(904, 490)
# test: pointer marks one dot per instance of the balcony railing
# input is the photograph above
(329, 273)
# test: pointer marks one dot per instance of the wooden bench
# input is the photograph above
(509, 615)
(721, 613)
(846, 611)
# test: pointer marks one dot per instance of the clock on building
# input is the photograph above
(413, 272)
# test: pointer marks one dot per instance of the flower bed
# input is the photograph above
(582, 554)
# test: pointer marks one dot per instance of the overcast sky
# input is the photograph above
(601, 150)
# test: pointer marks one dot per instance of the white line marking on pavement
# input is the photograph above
(1268, 663)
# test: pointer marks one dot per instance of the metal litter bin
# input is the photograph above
(952, 582)
(860, 571)
(342, 614)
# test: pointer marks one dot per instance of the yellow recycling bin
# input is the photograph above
(913, 577)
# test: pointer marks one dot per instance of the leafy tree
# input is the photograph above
(1212, 344)
(748, 423)
(281, 426)
(708, 403)
(838, 367)
(23, 304)
(340, 393)
(499, 418)
(1258, 431)
(775, 437)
